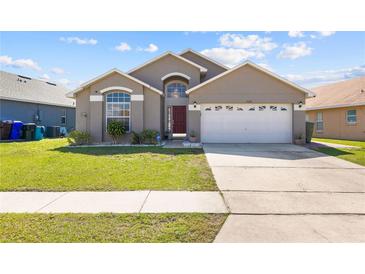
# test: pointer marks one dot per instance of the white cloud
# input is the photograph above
(297, 34)
(322, 34)
(79, 41)
(45, 77)
(151, 48)
(266, 66)
(326, 76)
(234, 48)
(64, 81)
(123, 47)
(326, 33)
(228, 56)
(295, 51)
(252, 42)
(19, 63)
(57, 70)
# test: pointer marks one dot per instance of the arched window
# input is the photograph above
(176, 89)
(118, 106)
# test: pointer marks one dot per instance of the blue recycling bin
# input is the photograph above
(39, 133)
(16, 130)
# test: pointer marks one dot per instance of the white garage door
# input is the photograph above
(246, 123)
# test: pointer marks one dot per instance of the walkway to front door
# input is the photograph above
(179, 119)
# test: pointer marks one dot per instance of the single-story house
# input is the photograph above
(34, 101)
(190, 93)
(338, 110)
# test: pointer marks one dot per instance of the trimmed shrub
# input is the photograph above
(115, 130)
(149, 136)
(77, 137)
(136, 138)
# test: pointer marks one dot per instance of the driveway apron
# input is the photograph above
(261, 183)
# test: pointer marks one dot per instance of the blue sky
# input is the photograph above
(307, 58)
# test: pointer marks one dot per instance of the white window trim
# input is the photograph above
(347, 115)
(106, 113)
(137, 97)
(64, 115)
(173, 82)
(319, 130)
(116, 88)
(96, 98)
(175, 74)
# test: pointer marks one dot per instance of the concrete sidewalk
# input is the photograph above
(116, 202)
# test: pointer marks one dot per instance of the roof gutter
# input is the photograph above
(36, 102)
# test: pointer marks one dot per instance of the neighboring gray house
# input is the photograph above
(188, 93)
(34, 101)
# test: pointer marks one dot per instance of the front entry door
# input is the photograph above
(179, 119)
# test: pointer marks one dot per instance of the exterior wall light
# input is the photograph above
(300, 104)
(195, 104)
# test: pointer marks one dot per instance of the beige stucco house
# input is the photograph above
(178, 94)
(338, 110)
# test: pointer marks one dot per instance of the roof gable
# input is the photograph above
(88, 83)
(198, 54)
(263, 70)
(201, 68)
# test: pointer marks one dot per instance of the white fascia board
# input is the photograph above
(249, 63)
(204, 57)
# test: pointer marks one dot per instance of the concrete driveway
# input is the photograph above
(288, 193)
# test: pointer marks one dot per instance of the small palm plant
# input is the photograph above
(115, 130)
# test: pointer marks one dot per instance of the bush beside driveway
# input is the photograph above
(50, 165)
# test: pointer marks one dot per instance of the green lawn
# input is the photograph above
(107, 227)
(360, 144)
(356, 156)
(50, 165)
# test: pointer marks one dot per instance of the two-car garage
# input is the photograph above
(246, 123)
(247, 104)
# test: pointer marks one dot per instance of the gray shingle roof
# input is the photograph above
(14, 87)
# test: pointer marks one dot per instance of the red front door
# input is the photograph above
(179, 118)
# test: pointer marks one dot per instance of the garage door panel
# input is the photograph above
(264, 123)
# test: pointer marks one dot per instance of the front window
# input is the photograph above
(319, 121)
(118, 105)
(176, 90)
(351, 116)
(63, 118)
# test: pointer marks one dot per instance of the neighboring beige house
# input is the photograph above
(181, 94)
(338, 110)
